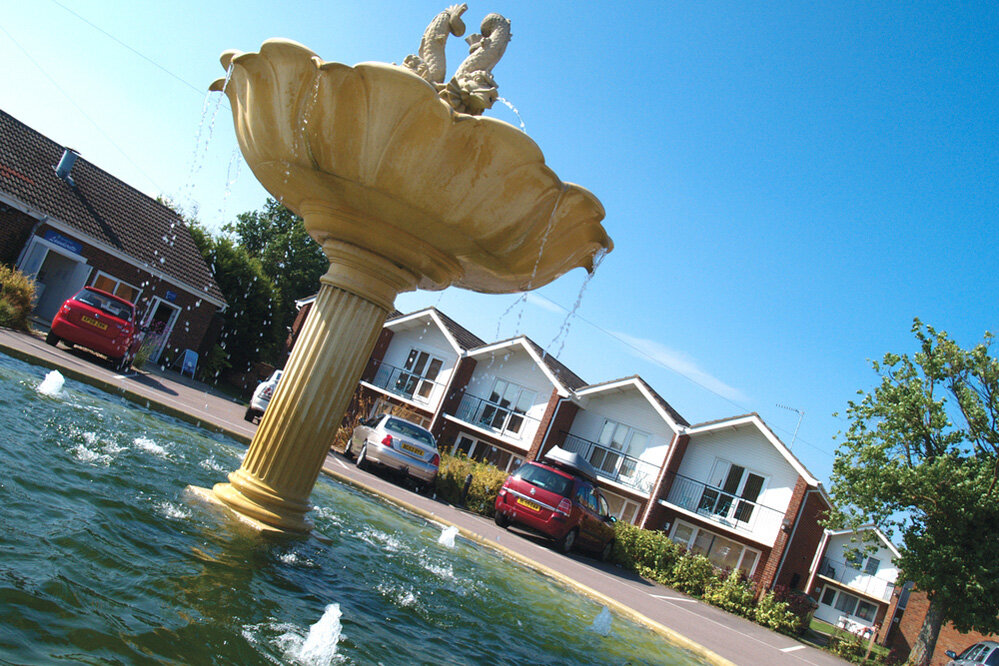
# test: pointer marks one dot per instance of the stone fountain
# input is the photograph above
(405, 186)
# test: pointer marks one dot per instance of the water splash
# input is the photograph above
(52, 384)
(537, 263)
(231, 176)
(201, 147)
(447, 536)
(320, 644)
(523, 127)
(602, 622)
(563, 332)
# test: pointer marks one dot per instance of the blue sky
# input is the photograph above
(787, 184)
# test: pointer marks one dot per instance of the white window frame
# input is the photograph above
(421, 377)
(721, 470)
(695, 532)
(118, 282)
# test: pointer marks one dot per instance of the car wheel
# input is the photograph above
(346, 449)
(250, 414)
(362, 459)
(566, 543)
(605, 554)
(122, 364)
(52, 339)
(501, 519)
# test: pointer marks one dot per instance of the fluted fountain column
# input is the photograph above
(273, 484)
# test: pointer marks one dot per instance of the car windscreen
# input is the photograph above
(545, 479)
(111, 306)
(412, 431)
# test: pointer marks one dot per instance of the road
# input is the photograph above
(721, 636)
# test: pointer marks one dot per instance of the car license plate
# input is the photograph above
(529, 504)
(409, 448)
(93, 322)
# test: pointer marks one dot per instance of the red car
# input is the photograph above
(99, 321)
(558, 498)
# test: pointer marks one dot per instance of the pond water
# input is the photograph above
(103, 560)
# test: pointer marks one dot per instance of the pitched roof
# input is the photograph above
(557, 372)
(651, 392)
(460, 336)
(107, 210)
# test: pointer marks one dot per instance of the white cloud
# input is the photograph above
(680, 363)
(545, 304)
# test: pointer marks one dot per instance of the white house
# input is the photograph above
(854, 586)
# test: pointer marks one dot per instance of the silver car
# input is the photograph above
(397, 444)
(985, 652)
(262, 396)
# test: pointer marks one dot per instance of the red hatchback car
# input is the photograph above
(558, 498)
(99, 321)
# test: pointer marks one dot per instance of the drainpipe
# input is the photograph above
(794, 530)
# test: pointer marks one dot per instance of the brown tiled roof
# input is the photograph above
(570, 379)
(99, 206)
(465, 338)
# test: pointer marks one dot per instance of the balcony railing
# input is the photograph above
(854, 578)
(405, 384)
(495, 417)
(614, 464)
(724, 508)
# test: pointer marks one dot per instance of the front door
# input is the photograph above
(160, 319)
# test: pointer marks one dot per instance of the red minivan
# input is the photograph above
(558, 498)
(99, 321)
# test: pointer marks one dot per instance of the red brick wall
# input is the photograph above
(658, 515)
(768, 574)
(904, 635)
(377, 354)
(449, 405)
(15, 228)
(558, 418)
(804, 542)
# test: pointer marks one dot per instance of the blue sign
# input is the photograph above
(171, 296)
(57, 238)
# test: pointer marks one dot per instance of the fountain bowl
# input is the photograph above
(370, 156)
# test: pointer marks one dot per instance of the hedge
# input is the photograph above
(17, 293)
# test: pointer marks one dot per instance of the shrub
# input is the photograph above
(694, 574)
(487, 480)
(733, 593)
(799, 603)
(651, 554)
(777, 615)
(17, 293)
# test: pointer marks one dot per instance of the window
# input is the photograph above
(828, 595)
(721, 551)
(507, 405)
(872, 566)
(846, 603)
(735, 494)
(616, 437)
(418, 376)
(112, 285)
(866, 611)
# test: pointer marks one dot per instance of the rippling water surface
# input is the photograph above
(103, 560)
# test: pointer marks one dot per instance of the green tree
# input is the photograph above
(919, 459)
(252, 332)
(289, 256)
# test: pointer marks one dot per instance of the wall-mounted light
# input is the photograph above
(785, 525)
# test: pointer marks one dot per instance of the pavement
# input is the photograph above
(720, 637)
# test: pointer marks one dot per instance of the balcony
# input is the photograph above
(855, 579)
(496, 418)
(405, 384)
(731, 511)
(615, 465)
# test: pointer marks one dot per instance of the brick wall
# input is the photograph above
(558, 418)
(657, 515)
(804, 541)
(377, 354)
(449, 405)
(903, 637)
(15, 228)
(767, 576)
